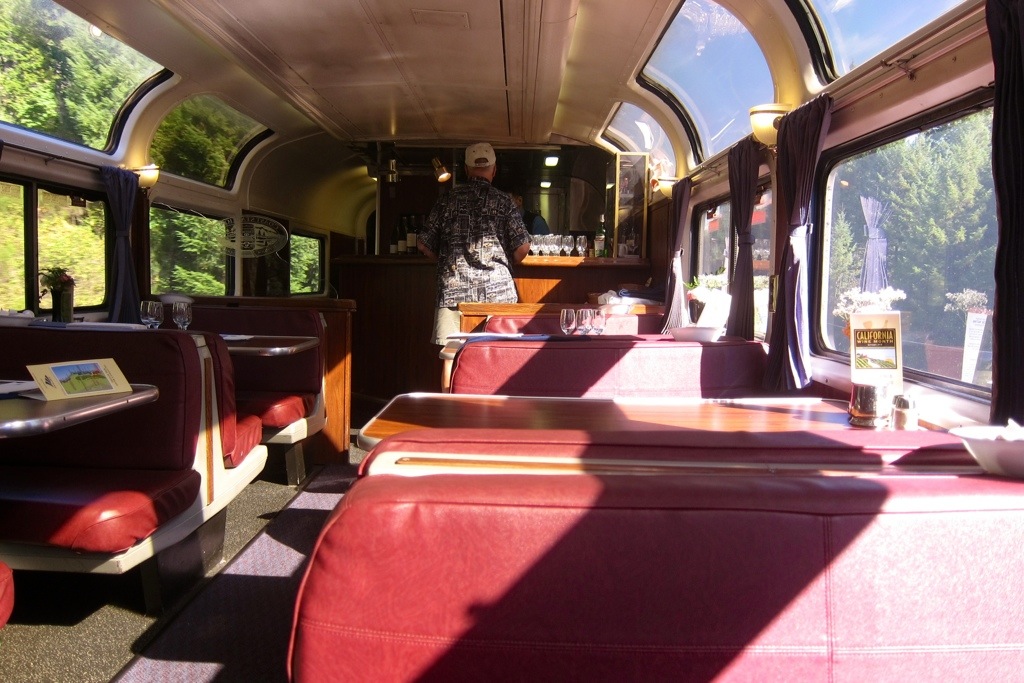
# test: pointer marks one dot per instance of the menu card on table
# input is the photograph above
(876, 349)
(72, 379)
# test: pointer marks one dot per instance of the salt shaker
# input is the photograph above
(904, 413)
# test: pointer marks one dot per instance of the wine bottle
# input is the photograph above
(410, 235)
(394, 240)
(402, 234)
(599, 239)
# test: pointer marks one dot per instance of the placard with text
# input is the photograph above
(876, 349)
(72, 379)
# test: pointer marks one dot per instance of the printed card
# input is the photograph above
(72, 379)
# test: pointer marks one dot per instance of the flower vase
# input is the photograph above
(63, 304)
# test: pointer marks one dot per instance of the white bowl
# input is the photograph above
(15, 320)
(995, 454)
(695, 333)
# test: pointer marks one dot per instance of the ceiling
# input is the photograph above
(445, 72)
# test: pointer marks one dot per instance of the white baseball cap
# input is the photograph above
(480, 155)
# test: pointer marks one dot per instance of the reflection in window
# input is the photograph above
(62, 77)
(307, 264)
(201, 139)
(708, 61)
(918, 215)
(186, 253)
(854, 31)
(634, 130)
(716, 248)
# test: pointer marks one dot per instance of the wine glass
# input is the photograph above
(181, 314)
(146, 313)
(585, 320)
(567, 244)
(156, 314)
(581, 245)
(567, 320)
(598, 321)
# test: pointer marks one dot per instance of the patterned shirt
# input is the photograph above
(474, 228)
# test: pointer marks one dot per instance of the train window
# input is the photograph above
(306, 253)
(912, 224)
(68, 231)
(62, 76)
(202, 138)
(716, 249)
(855, 34)
(186, 252)
(713, 68)
(634, 130)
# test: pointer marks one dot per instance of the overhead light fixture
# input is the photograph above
(440, 172)
(551, 161)
(764, 122)
(545, 184)
(148, 175)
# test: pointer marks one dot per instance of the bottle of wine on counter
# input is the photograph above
(599, 239)
(410, 235)
(402, 232)
(394, 241)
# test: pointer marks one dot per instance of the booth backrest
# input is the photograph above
(299, 374)
(608, 367)
(169, 427)
(547, 323)
(697, 577)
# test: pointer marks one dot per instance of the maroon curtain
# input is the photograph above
(122, 187)
(801, 137)
(677, 313)
(744, 163)
(1006, 32)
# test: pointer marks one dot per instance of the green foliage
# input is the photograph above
(305, 265)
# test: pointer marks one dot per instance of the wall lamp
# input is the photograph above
(148, 175)
(764, 121)
(440, 172)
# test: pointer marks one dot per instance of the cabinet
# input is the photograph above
(629, 200)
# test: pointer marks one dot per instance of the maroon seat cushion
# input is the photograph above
(6, 593)
(608, 367)
(276, 410)
(692, 577)
(248, 434)
(91, 510)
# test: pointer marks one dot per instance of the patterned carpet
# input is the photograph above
(237, 628)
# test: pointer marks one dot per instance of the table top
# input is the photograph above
(267, 345)
(468, 411)
(20, 416)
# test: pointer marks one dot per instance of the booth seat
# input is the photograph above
(548, 323)
(707, 575)
(107, 495)
(609, 367)
(6, 593)
(286, 393)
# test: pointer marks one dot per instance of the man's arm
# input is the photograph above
(520, 253)
(425, 250)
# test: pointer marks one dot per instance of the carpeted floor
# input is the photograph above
(237, 628)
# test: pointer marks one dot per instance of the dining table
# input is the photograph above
(267, 345)
(27, 413)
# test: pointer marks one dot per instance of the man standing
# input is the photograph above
(534, 222)
(475, 233)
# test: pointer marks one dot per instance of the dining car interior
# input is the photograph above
(752, 411)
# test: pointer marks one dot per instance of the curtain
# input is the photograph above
(677, 313)
(801, 137)
(1005, 32)
(874, 275)
(744, 163)
(122, 188)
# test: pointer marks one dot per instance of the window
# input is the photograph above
(713, 69)
(62, 77)
(186, 252)
(716, 249)
(202, 139)
(307, 263)
(69, 231)
(634, 130)
(855, 34)
(918, 215)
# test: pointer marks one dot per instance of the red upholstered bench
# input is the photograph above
(608, 367)
(284, 392)
(6, 593)
(686, 577)
(108, 494)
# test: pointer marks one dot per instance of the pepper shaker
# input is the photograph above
(904, 413)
